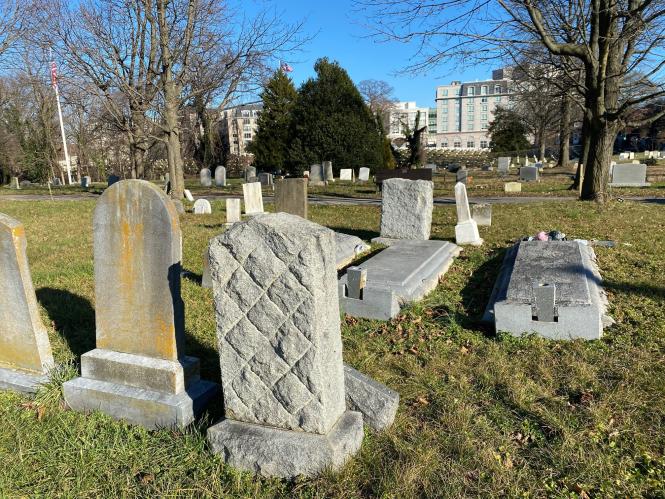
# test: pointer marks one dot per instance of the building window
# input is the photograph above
(483, 117)
(444, 110)
(444, 128)
(471, 91)
(457, 144)
(246, 121)
(497, 89)
(246, 113)
(483, 144)
(458, 91)
(247, 135)
(483, 126)
(483, 99)
(247, 128)
(470, 117)
(483, 90)
(469, 127)
(497, 98)
(470, 144)
(484, 107)
(444, 92)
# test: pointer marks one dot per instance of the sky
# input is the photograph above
(338, 33)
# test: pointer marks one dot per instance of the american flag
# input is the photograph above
(54, 75)
(284, 66)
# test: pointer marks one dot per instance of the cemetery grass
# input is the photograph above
(479, 414)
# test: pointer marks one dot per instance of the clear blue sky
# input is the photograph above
(338, 34)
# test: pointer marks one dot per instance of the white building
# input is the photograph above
(465, 110)
(403, 114)
(238, 126)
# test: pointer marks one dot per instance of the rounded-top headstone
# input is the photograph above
(206, 177)
(202, 207)
(138, 250)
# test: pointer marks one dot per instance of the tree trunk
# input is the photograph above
(597, 163)
(564, 132)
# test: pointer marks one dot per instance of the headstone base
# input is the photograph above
(21, 381)
(630, 184)
(467, 233)
(174, 397)
(282, 453)
(348, 248)
(376, 402)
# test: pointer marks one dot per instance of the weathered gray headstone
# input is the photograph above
(328, 171)
(363, 174)
(279, 341)
(316, 175)
(529, 174)
(250, 173)
(552, 288)
(462, 175)
(205, 177)
(265, 179)
(406, 209)
(629, 175)
(291, 196)
(232, 210)
(220, 176)
(346, 174)
(57, 182)
(253, 198)
(466, 230)
(206, 278)
(482, 214)
(25, 351)
(503, 164)
(202, 207)
(139, 371)
(14, 184)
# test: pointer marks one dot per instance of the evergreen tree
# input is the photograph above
(271, 143)
(508, 132)
(332, 122)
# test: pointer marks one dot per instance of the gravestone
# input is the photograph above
(552, 288)
(466, 230)
(139, 371)
(512, 187)
(220, 176)
(316, 175)
(346, 174)
(629, 175)
(291, 196)
(25, 351)
(85, 182)
(265, 179)
(635, 161)
(205, 177)
(14, 184)
(202, 207)
(363, 174)
(404, 272)
(623, 155)
(57, 182)
(482, 214)
(348, 248)
(462, 175)
(278, 334)
(406, 209)
(528, 174)
(188, 195)
(232, 210)
(250, 173)
(25, 184)
(206, 278)
(631, 155)
(432, 166)
(253, 198)
(112, 179)
(328, 171)
(503, 164)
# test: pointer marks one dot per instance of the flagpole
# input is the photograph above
(54, 81)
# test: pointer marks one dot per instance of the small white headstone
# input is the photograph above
(346, 174)
(232, 210)
(202, 207)
(253, 198)
(188, 196)
(363, 174)
(220, 176)
(466, 230)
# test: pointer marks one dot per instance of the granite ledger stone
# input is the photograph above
(138, 372)
(279, 340)
(25, 351)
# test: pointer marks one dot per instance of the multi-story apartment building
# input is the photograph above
(238, 126)
(402, 114)
(465, 110)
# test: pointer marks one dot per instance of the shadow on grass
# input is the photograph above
(365, 235)
(73, 318)
(192, 276)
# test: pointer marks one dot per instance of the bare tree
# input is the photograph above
(618, 43)
(378, 95)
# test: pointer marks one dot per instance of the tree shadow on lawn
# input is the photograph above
(365, 235)
(73, 318)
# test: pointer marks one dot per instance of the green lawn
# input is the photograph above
(479, 414)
